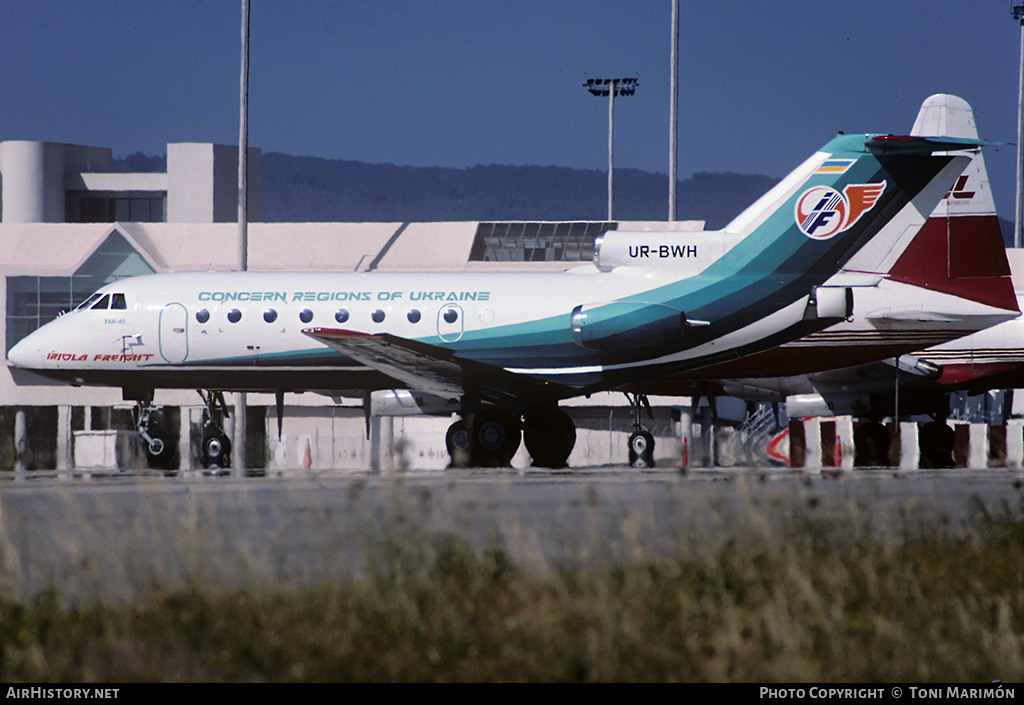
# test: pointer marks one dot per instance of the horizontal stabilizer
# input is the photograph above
(920, 144)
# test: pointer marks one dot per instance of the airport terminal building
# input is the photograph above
(69, 225)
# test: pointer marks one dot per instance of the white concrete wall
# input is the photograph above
(35, 178)
(190, 179)
(29, 196)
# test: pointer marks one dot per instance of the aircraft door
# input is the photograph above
(450, 322)
(174, 333)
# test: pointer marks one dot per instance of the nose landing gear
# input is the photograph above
(160, 450)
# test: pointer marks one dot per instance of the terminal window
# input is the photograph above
(537, 242)
(116, 209)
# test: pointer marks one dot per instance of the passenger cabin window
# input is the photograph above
(202, 315)
(102, 303)
(118, 301)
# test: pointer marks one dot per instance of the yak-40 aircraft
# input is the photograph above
(509, 346)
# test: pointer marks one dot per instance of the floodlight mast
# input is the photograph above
(611, 87)
(1018, 239)
(673, 119)
(241, 399)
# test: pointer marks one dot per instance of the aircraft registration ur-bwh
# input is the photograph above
(508, 347)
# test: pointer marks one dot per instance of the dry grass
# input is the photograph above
(812, 597)
(802, 604)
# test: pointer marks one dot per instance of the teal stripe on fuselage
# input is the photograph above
(770, 269)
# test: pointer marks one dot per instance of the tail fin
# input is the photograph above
(849, 206)
(959, 249)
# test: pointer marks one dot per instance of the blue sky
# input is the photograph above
(459, 83)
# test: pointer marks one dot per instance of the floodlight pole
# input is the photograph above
(241, 398)
(611, 129)
(1018, 239)
(673, 115)
(611, 87)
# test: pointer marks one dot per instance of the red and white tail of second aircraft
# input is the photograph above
(992, 358)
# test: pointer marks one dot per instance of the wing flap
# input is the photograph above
(433, 369)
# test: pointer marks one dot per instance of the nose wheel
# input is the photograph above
(160, 450)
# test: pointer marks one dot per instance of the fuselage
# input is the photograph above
(243, 331)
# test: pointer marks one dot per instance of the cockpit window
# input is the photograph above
(102, 303)
(88, 302)
(118, 301)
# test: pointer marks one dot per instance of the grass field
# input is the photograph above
(801, 600)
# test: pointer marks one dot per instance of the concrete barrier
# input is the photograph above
(109, 450)
(827, 442)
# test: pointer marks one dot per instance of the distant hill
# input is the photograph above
(139, 163)
(315, 190)
(311, 189)
(308, 188)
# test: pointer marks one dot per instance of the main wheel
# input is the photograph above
(495, 438)
(457, 440)
(549, 435)
(216, 450)
(871, 445)
(936, 441)
(641, 450)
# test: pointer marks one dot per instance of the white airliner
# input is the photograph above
(510, 346)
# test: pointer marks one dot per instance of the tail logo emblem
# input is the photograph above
(822, 212)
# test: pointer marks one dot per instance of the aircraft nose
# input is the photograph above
(26, 353)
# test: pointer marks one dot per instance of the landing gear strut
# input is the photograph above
(159, 448)
(641, 442)
(216, 447)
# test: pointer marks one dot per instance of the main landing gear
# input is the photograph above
(490, 436)
(641, 441)
(216, 446)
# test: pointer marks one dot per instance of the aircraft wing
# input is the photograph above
(434, 369)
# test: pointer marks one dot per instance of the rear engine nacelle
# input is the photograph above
(626, 325)
(830, 302)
